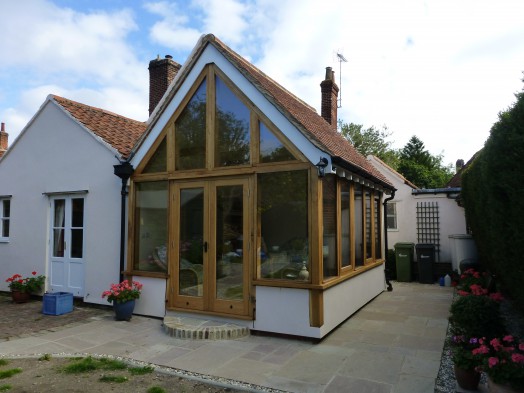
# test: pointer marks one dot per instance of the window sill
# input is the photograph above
(4, 240)
(140, 273)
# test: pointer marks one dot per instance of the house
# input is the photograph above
(248, 206)
(427, 216)
(62, 198)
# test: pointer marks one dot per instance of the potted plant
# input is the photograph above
(123, 296)
(21, 288)
(502, 359)
(465, 362)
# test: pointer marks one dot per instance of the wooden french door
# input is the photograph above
(211, 246)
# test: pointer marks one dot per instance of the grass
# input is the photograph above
(89, 364)
(140, 370)
(45, 357)
(9, 373)
(5, 388)
(3, 362)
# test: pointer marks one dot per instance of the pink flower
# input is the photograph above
(517, 358)
(495, 343)
(521, 346)
(508, 338)
(492, 362)
(462, 293)
(497, 296)
(480, 350)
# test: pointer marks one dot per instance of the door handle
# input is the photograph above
(205, 246)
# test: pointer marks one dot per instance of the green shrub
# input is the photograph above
(492, 195)
(475, 316)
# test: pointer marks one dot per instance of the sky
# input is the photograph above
(438, 69)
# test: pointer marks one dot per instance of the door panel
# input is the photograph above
(211, 246)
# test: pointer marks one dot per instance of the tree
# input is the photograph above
(371, 141)
(421, 168)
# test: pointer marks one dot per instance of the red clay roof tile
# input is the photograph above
(119, 131)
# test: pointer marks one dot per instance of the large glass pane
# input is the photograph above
(151, 226)
(359, 220)
(229, 242)
(271, 149)
(5, 228)
(58, 228)
(77, 224)
(6, 207)
(158, 162)
(329, 203)
(345, 220)
(232, 128)
(283, 217)
(378, 238)
(367, 196)
(190, 133)
(191, 247)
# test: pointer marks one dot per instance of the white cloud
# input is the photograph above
(225, 18)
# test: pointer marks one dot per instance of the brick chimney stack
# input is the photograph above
(4, 136)
(329, 88)
(161, 74)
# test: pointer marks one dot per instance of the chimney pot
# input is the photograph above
(3, 127)
(169, 57)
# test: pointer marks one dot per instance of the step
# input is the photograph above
(202, 329)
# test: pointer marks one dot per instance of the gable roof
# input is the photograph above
(304, 117)
(401, 177)
(118, 131)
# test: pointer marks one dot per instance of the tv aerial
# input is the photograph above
(341, 59)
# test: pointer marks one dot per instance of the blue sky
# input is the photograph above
(438, 69)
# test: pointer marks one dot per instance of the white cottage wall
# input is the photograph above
(55, 154)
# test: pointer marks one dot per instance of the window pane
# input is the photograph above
(232, 128)
(191, 250)
(271, 149)
(345, 217)
(59, 220)
(367, 196)
(359, 219)
(77, 243)
(158, 162)
(6, 208)
(282, 211)
(377, 230)
(392, 215)
(190, 133)
(58, 242)
(5, 228)
(151, 226)
(77, 219)
(329, 202)
(229, 242)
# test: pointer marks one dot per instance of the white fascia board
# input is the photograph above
(212, 55)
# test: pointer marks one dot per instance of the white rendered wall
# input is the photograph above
(54, 154)
(286, 310)
(343, 300)
(152, 300)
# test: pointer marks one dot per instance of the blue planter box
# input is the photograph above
(57, 303)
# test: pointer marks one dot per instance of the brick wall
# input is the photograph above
(161, 74)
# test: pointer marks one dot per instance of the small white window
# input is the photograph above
(5, 217)
(392, 215)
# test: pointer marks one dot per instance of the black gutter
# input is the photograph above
(124, 170)
(386, 271)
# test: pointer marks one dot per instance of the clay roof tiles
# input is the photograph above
(118, 131)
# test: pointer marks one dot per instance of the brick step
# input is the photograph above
(201, 329)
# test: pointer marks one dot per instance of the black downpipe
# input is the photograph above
(386, 271)
(124, 170)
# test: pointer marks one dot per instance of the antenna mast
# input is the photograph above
(341, 59)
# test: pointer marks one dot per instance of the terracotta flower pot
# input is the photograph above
(467, 379)
(20, 297)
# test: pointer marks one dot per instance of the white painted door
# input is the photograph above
(66, 244)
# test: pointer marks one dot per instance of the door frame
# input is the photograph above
(67, 259)
(208, 302)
